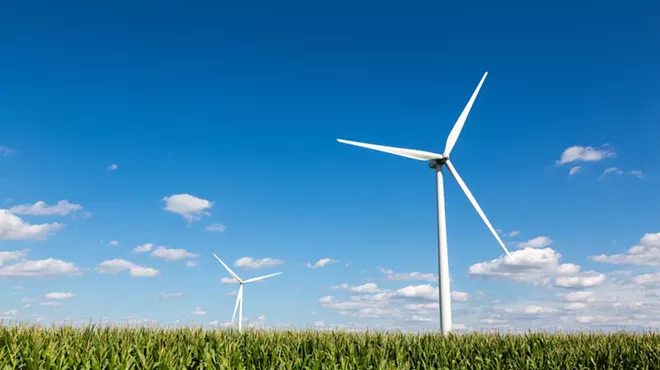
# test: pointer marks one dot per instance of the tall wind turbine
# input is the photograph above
(239, 295)
(437, 161)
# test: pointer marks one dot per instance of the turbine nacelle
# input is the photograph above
(434, 163)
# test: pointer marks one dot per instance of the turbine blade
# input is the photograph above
(467, 192)
(238, 298)
(228, 269)
(261, 278)
(458, 126)
(419, 155)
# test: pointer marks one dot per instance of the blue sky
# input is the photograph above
(238, 106)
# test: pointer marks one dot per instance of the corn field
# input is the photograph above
(92, 347)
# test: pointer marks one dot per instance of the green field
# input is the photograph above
(31, 347)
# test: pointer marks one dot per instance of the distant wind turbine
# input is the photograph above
(437, 161)
(239, 295)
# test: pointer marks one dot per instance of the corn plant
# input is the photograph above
(108, 347)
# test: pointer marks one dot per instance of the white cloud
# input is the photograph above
(532, 310)
(399, 276)
(12, 255)
(146, 247)
(375, 313)
(172, 254)
(581, 296)
(199, 312)
(117, 265)
(251, 263)
(191, 264)
(10, 314)
(216, 227)
(365, 288)
(6, 151)
(141, 271)
(425, 291)
(574, 170)
(50, 304)
(637, 173)
(652, 279)
(575, 306)
(422, 306)
(321, 263)
(188, 206)
(617, 301)
(585, 154)
(529, 265)
(40, 208)
(646, 253)
(163, 295)
(420, 318)
(13, 227)
(586, 280)
(56, 295)
(513, 233)
(492, 321)
(619, 296)
(228, 280)
(416, 301)
(114, 266)
(538, 242)
(113, 242)
(408, 304)
(611, 170)
(17, 287)
(460, 296)
(326, 299)
(628, 304)
(113, 167)
(587, 319)
(40, 268)
(537, 266)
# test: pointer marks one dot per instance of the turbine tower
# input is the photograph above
(437, 161)
(239, 295)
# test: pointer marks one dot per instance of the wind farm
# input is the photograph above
(329, 185)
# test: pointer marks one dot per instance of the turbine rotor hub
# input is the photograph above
(438, 162)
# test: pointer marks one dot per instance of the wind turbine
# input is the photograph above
(437, 161)
(239, 295)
